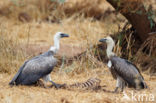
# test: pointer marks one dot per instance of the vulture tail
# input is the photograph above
(140, 84)
(143, 85)
(17, 74)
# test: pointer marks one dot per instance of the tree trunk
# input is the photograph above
(135, 13)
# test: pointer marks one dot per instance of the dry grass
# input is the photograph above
(21, 40)
(32, 94)
(9, 54)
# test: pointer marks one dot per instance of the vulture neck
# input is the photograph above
(56, 46)
(109, 49)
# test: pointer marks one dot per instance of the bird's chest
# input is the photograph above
(109, 64)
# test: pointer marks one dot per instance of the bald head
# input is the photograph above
(110, 44)
(107, 40)
(59, 35)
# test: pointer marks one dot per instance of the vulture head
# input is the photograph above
(59, 35)
(107, 40)
(57, 38)
(110, 44)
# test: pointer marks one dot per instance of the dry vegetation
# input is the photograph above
(27, 28)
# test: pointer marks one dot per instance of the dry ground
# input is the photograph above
(35, 37)
(24, 94)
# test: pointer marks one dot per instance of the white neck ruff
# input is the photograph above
(109, 50)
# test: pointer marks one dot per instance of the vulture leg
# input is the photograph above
(119, 84)
(116, 90)
(47, 78)
(123, 85)
(56, 85)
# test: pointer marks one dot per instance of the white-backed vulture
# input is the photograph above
(122, 70)
(40, 66)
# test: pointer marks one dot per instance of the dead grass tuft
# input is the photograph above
(9, 55)
(52, 11)
(146, 55)
(149, 46)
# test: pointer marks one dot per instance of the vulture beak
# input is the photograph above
(64, 35)
(102, 40)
